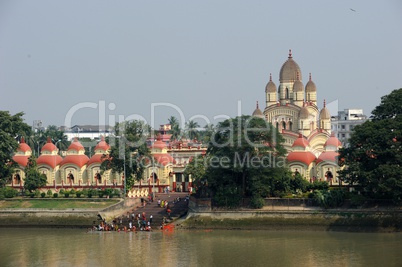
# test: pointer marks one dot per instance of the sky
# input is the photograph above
(100, 62)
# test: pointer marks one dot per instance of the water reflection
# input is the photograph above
(74, 247)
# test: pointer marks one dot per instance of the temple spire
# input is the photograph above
(290, 53)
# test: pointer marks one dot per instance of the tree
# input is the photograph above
(373, 159)
(207, 133)
(55, 134)
(11, 126)
(197, 168)
(175, 128)
(39, 138)
(245, 154)
(34, 179)
(131, 148)
(191, 129)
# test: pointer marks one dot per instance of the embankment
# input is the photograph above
(76, 217)
(292, 214)
(322, 220)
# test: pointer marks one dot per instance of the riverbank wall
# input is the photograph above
(293, 216)
(64, 217)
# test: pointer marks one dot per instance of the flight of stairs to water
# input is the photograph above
(178, 209)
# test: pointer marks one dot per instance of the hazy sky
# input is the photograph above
(90, 62)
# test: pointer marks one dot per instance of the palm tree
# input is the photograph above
(207, 134)
(173, 121)
(191, 129)
(175, 128)
(176, 132)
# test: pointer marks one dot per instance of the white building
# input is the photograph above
(93, 132)
(343, 124)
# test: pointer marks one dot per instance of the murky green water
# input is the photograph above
(75, 247)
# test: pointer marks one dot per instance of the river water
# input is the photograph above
(76, 247)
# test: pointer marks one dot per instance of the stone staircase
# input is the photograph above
(178, 208)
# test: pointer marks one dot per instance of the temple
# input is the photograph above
(292, 108)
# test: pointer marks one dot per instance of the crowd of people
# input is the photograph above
(134, 221)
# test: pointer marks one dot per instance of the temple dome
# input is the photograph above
(257, 112)
(23, 147)
(333, 141)
(298, 85)
(324, 113)
(289, 70)
(159, 144)
(310, 86)
(304, 113)
(49, 159)
(76, 145)
(301, 141)
(271, 87)
(49, 146)
(102, 145)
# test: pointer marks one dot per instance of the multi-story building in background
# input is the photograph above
(343, 124)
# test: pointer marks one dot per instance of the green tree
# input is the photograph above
(175, 128)
(129, 147)
(373, 159)
(56, 135)
(245, 153)
(191, 129)
(206, 134)
(34, 179)
(197, 168)
(11, 127)
(39, 138)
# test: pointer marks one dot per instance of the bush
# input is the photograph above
(62, 191)
(37, 193)
(43, 194)
(92, 193)
(228, 197)
(55, 195)
(78, 194)
(101, 193)
(72, 192)
(329, 198)
(8, 192)
(318, 185)
(84, 192)
(66, 194)
(257, 202)
(357, 200)
(109, 192)
(116, 192)
(31, 195)
(49, 193)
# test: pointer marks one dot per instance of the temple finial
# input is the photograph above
(324, 103)
(257, 104)
(310, 76)
(270, 77)
(290, 53)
